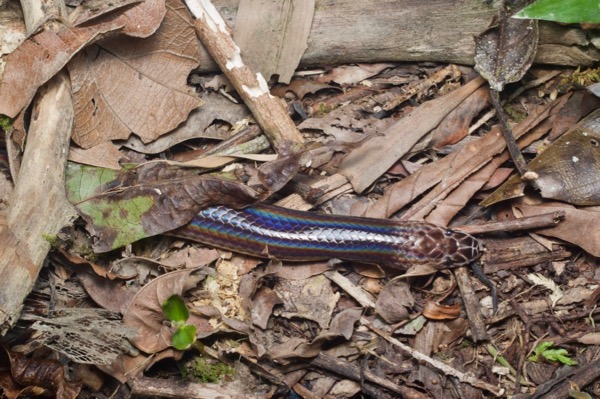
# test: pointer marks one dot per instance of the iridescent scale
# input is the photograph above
(273, 232)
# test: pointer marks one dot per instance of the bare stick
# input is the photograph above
(526, 223)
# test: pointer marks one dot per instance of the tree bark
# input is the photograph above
(38, 207)
(350, 31)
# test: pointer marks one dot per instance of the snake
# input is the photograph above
(269, 231)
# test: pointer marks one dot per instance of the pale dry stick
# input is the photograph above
(444, 368)
(353, 290)
(268, 110)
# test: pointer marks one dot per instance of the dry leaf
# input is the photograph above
(568, 169)
(145, 313)
(217, 107)
(538, 279)
(435, 311)
(505, 51)
(41, 373)
(41, 56)
(395, 301)
(138, 86)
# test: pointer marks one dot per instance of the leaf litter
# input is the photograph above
(273, 319)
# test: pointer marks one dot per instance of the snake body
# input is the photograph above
(273, 232)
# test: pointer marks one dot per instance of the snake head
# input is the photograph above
(461, 248)
(443, 248)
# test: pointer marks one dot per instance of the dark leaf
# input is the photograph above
(45, 373)
(505, 51)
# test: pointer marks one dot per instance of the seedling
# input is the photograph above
(177, 313)
(545, 350)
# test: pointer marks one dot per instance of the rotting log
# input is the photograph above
(350, 31)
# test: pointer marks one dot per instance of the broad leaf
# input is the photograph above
(566, 11)
(184, 337)
(175, 309)
(125, 206)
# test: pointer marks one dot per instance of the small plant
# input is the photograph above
(177, 312)
(5, 123)
(201, 368)
(545, 350)
(204, 370)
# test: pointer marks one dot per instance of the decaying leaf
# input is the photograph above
(136, 85)
(216, 107)
(394, 301)
(145, 314)
(506, 50)
(568, 170)
(125, 206)
(39, 376)
(311, 299)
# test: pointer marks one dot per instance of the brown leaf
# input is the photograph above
(45, 373)
(394, 301)
(505, 51)
(366, 163)
(262, 306)
(217, 107)
(92, 9)
(444, 175)
(568, 169)
(105, 155)
(456, 125)
(145, 313)
(41, 56)
(579, 227)
(108, 294)
(311, 299)
(136, 85)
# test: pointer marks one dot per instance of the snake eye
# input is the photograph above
(448, 261)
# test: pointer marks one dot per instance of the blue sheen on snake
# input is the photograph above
(273, 232)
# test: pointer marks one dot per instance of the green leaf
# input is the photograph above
(175, 309)
(184, 337)
(559, 355)
(567, 11)
(124, 206)
(552, 355)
